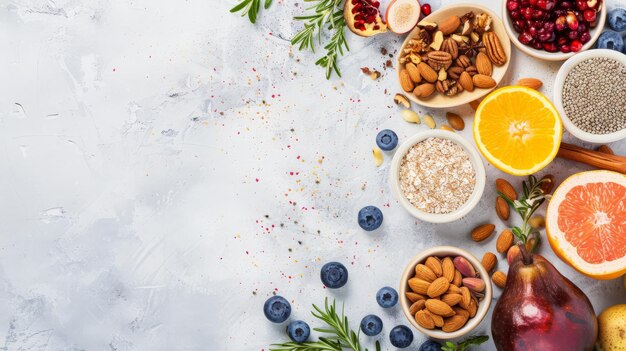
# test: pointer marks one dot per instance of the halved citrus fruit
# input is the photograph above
(518, 130)
(586, 223)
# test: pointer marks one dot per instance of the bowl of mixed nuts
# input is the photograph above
(445, 292)
(454, 56)
(437, 176)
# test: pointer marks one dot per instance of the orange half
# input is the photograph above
(586, 223)
(518, 130)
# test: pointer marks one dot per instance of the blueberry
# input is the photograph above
(387, 297)
(430, 345)
(370, 218)
(401, 336)
(298, 331)
(610, 40)
(277, 309)
(334, 275)
(617, 20)
(371, 325)
(387, 139)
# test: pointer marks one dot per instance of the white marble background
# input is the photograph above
(166, 167)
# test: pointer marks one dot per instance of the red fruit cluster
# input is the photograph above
(365, 11)
(554, 25)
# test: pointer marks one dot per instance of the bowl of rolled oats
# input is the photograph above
(437, 176)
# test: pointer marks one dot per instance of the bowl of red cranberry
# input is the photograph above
(553, 30)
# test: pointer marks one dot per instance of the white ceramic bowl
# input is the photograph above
(477, 163)
(551, 56)
(558, 99)
(437, 100)
(483, 306)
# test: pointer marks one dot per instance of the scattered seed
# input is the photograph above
(429, 121)
(378, 156)
(410, 116)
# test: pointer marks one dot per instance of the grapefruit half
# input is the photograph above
(586, 223)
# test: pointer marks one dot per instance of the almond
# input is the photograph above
(424, 320)
(466, 297)
(454, 323)
(532, 83)
(453, 289)
(450, 25)
(483, 81)
(547, 183)
(414, 297)
(473, 307)
(438, 287)
(424, 273)
(499, 278)
(474, 104)
(455, 121)
(424, 90)
(427, 72)
(489, 261)
(448, 269)
(439, 308)
(461, 311)
(502, 208)
(405, 81)
(417, 306)
(482, 232)
(419, 286)
(451, 299)
(465, 80)
(483, 64)
(505, 240)
(435, 265)
(458, 278)
(436, 318)
(504, 187)
(414, 74)
(605, 149)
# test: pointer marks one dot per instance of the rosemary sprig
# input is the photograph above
(340, 336)
(525, 206)
(327, 14)
(477, 340)
(251, 8)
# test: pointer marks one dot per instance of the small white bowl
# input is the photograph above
(483, 306)
(551, 56)
(477, 163)
(558, 98)
(437, 100)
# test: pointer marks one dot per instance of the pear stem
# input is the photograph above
(526, 257)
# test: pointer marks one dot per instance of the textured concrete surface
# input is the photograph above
(166, 167)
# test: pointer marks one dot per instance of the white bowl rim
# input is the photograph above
(558, 99)
(483, 307)
(462, 98)
(477, 163)
(551, 56)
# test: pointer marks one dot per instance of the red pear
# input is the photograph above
(542, 310)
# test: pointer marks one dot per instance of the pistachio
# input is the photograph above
(464, 266)
(476, 285)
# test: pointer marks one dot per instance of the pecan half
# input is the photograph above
(439, 59)
(450, 46)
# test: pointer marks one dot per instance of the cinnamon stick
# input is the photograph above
(593, 158)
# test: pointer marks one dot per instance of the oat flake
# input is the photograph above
(437, 175)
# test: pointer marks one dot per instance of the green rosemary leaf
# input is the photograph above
(267, 4)
(240, 6)
(472, 341)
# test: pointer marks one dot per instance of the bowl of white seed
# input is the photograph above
(590, 95)
(437, 176)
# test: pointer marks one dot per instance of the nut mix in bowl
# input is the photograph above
(443, 293)
(454, 56)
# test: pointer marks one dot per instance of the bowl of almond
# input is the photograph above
(445, 292)
(454, 56)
